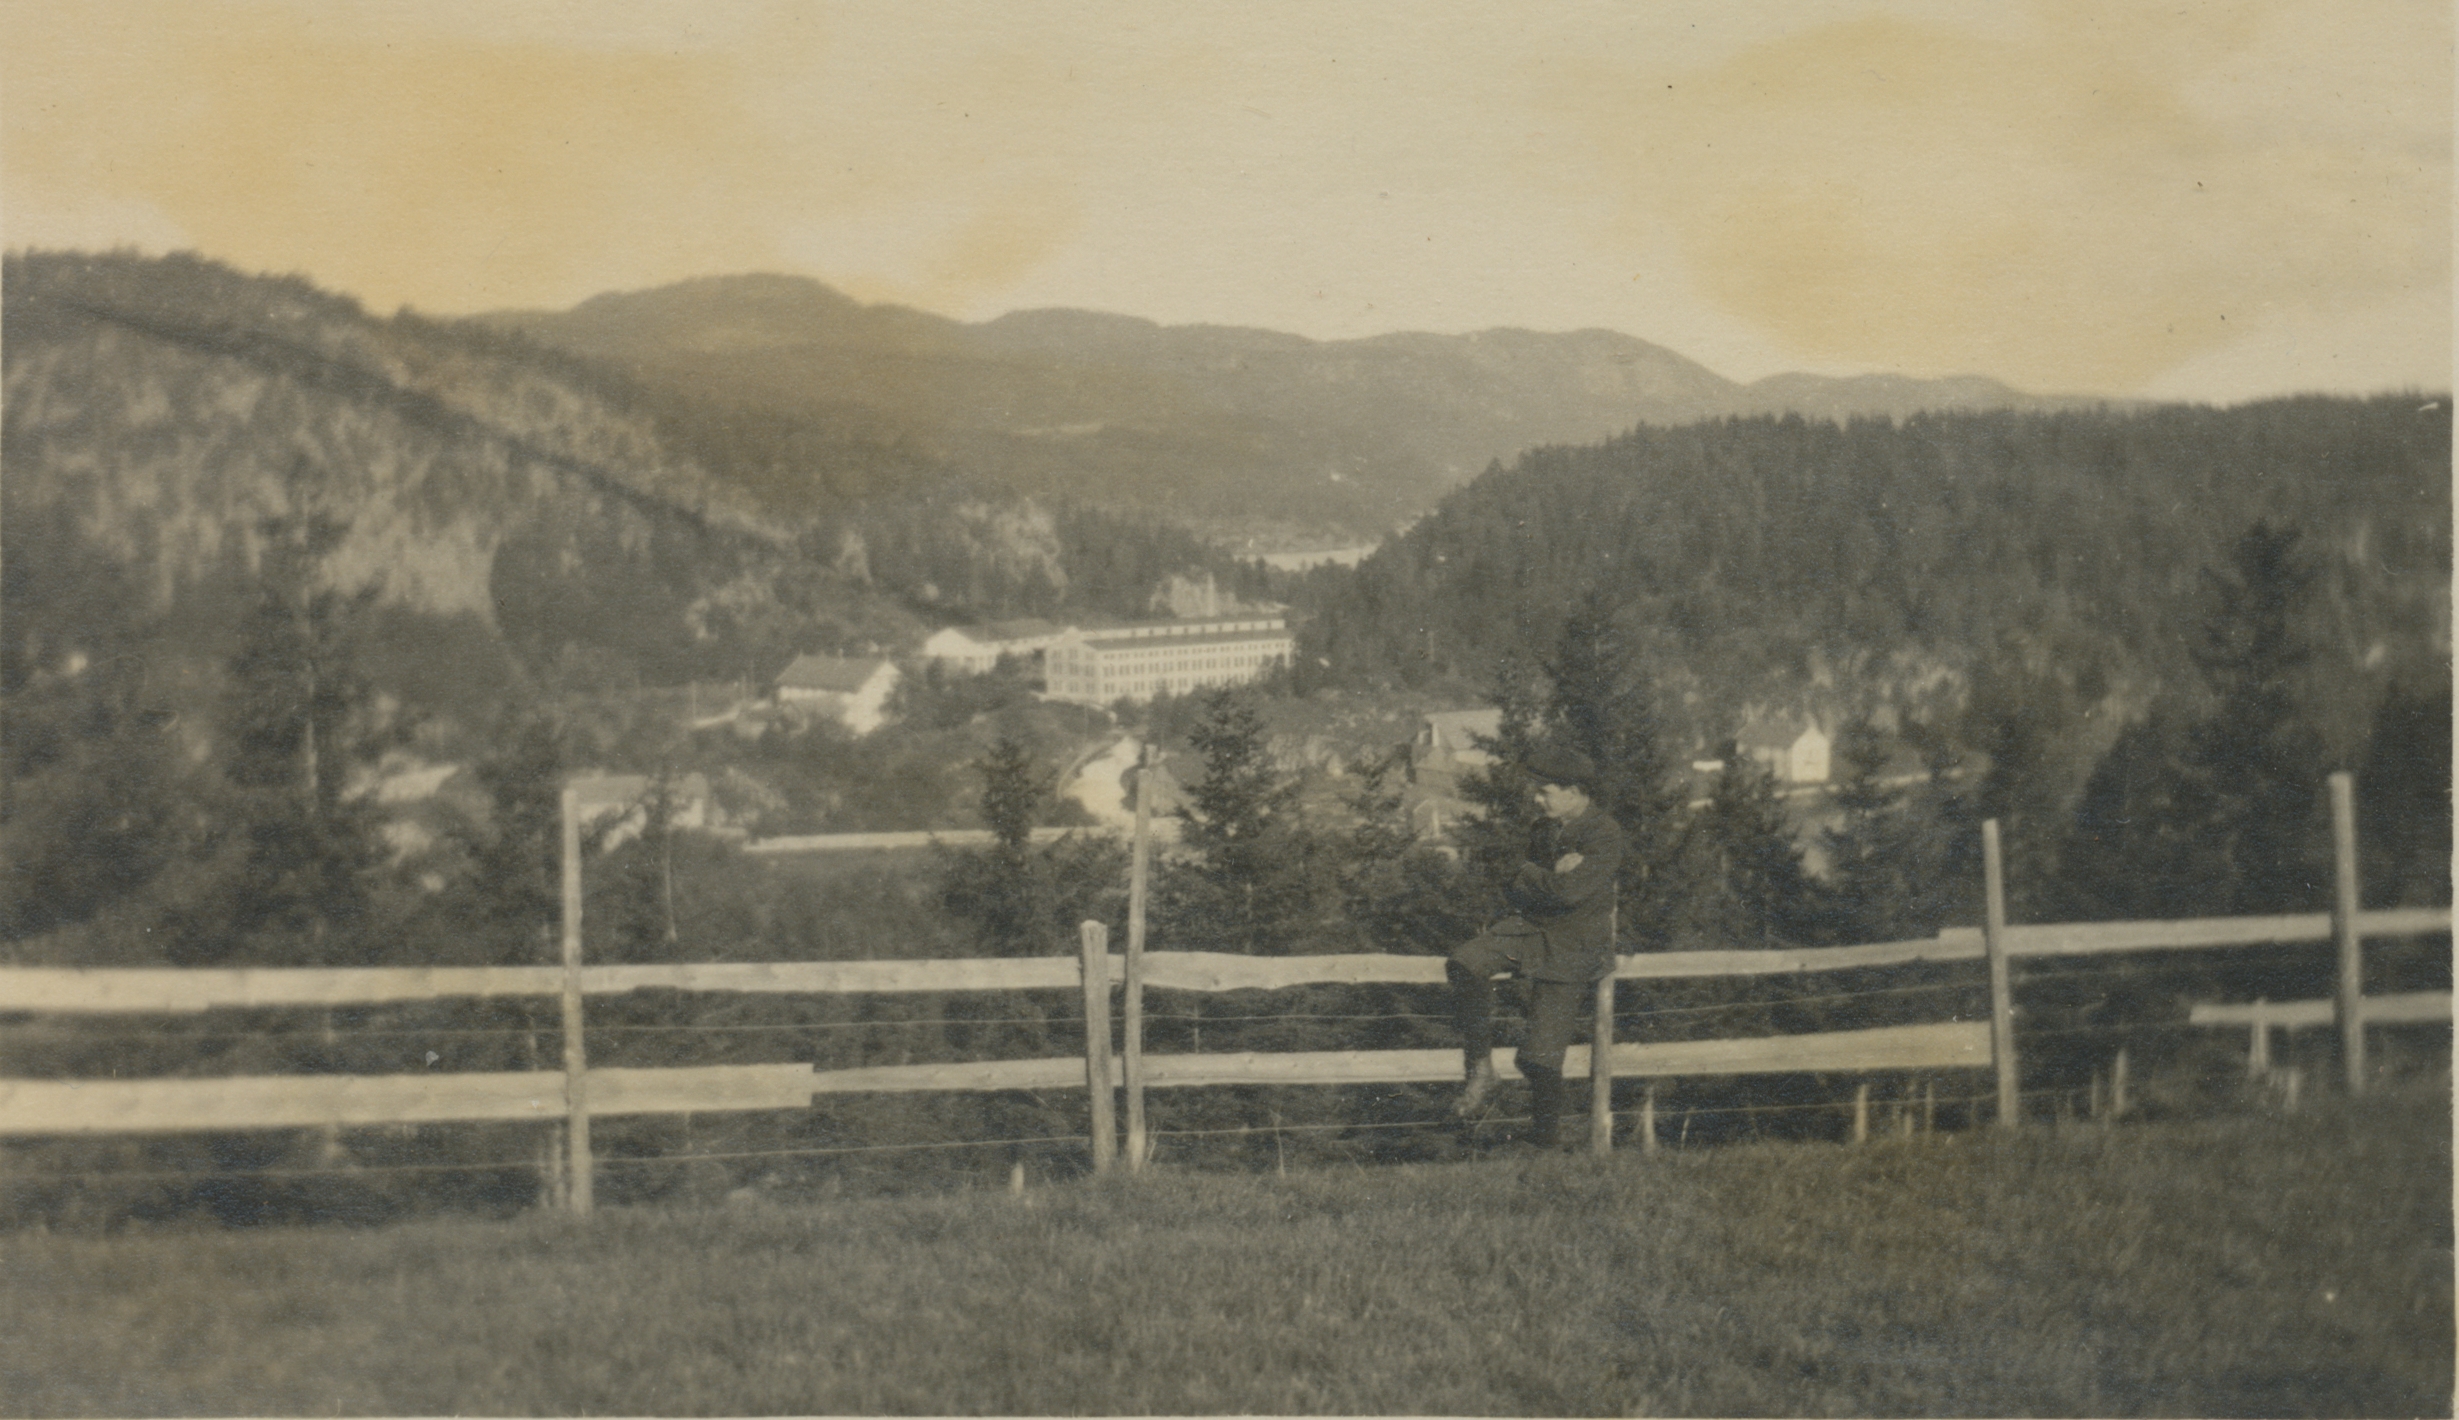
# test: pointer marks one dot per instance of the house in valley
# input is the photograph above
(975, 649)
(853, 691)
(625, 798)
(1793, 748)
(1447, 740)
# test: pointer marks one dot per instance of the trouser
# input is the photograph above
(1554, 1010)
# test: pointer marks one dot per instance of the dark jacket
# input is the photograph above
(1573, 911)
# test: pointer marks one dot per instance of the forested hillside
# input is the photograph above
(1833, 569)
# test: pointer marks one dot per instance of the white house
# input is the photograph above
(625, 798)
(1137, 662)
(975, 649)
(1794, 750)
(852, 691)
(1447, 739)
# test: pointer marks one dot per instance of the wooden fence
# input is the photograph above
(578, 1092)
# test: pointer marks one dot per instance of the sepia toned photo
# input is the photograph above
(761, 708)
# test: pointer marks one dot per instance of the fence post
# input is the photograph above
(1861, 1112)
(2258, 1050)
(576, 1055)
(1096, 939)
(2117, 1085)
(1647, 1120)
(1601, 1070)
(2344, 930)
(2001, 984)
(1131, 1061)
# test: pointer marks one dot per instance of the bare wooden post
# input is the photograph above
(2258, 1049)
(2344, 930)
(2096, 1112)
(1861, 1112)
(1647, 1120)
(576, 1055)
(2117, 1085)
(1929, 1106)
(1904, 1111)
(1601, 1071)
(1096, 941)
(2001, 983)
(1131, 1062)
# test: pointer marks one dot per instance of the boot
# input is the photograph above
(1482, 1082)
(1545, 1105)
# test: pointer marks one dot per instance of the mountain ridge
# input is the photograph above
(1211, 423)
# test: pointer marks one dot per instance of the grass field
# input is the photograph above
(2262, 1265)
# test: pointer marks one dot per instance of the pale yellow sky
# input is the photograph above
(2207, 201)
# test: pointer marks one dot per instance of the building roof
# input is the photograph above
(1117, 641)
(1453, 729)
(834, 673)
(1778, 732)
(598, 790)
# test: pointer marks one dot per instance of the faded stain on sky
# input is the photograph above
(2211, 201)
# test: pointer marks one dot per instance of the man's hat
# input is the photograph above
(1555, 764)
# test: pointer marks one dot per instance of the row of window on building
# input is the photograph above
(1088, 665)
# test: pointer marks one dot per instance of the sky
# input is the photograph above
(2206, 201)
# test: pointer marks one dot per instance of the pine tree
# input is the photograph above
(2218, 812)
(2254, 756)
(1602, 704)
(1006, 891)
(2404, 798)
(1496, 837)
(1397, 893)
(301, 719)
(1889, 855)
(1251, 880)
(1747, 885)
(514, 888)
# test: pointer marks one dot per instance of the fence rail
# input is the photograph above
(2389, 1009)
(173, 991)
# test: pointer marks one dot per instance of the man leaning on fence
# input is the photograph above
(1559, 940)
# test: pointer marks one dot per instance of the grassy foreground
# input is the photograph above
(2251, 1266)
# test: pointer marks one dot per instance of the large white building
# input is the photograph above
(1110, 663)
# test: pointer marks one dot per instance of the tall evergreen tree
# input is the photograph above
(1495, 838)
(1890, 852)
(1601, 703)
(515, 880)
(2218, 812)
(2255, 756)
(1006, 890)
(1251, 880)
(1745, 883)
(2404, 798)
(301, 719)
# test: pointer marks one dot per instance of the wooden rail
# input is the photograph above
(289, 1101)
(171, 991)
(45, 1107)
(2389, 1009)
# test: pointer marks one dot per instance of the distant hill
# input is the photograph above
(517, 510)
(1217, 425)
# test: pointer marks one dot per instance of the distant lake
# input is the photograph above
(1300, 561)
